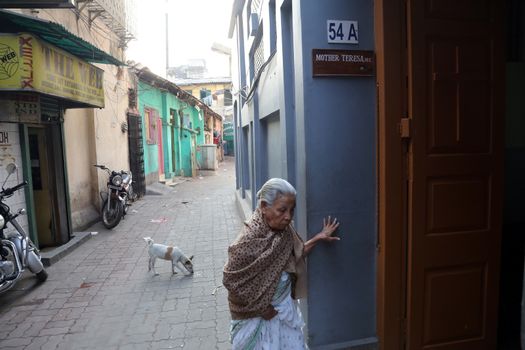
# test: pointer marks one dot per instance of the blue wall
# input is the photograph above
(339, 175)
(320, 134)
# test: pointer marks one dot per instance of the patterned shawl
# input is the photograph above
(256, 260)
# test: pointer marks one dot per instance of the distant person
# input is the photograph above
(265, 272)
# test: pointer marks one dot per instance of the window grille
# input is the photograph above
(255, 6)
(258, 56)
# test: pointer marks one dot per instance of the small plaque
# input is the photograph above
(327, 63)
(20, 108)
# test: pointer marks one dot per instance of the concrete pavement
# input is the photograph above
(101, 296)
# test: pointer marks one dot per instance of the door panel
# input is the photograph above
(136, 154)
(58, 186)
(160, 147)
(455, 67)
(441, 308)
(41, 188)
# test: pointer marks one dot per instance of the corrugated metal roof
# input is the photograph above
(54, 33)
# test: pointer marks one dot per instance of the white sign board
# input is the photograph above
(342, 32)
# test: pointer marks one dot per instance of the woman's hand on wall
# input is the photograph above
(329, 227)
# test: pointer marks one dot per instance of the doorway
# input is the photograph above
(511, 311)
(136, 154)
(172, 131)
(193, 156)
(41, 186)
(160, 149)
(48, 185)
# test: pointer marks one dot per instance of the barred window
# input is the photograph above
(258, 56)
(255, 6)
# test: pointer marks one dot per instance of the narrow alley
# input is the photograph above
(101, 296)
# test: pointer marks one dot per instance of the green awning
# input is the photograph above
(53, 33)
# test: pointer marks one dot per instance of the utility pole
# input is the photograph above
(167, 43)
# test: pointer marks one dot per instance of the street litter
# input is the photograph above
(161, 220)
(94, 233)
(215, 290)
(86, 284)
(134, 211)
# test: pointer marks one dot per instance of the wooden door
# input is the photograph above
(455, 105)
(160, 148)
(42, 189)
(193, 157)
(136, 154)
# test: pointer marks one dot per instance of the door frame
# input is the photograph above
(160, 148)
(60, 210)
(390, 29)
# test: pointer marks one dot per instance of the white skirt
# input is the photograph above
(284, 331)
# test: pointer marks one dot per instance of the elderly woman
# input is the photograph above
(265, 272)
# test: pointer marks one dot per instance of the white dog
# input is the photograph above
(174, 254)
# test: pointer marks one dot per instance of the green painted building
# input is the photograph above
(172, 127)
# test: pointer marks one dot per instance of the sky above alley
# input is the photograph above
(194, 25)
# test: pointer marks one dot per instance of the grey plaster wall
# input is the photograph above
(320, 134)
(268, 92)
(272, 146)
(339, 123)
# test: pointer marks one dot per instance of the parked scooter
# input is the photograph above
(17, 251)
(118, 196)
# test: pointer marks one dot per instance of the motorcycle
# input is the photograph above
(17, 251)
(118, 196)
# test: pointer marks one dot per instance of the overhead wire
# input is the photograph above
(106, 34)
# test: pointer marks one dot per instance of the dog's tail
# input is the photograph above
(148, 240)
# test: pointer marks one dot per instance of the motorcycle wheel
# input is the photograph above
(111, 217)
(42, 276)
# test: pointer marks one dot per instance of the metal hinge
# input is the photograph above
(405, 128)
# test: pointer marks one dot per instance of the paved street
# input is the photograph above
(101, 295)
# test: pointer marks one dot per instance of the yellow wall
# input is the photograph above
(212, 123)
(93, 135)
(196, 88)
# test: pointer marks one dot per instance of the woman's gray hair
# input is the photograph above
(272, 189)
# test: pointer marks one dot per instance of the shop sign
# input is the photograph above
(28, 64)
(4, 138)
(342, 63)
(19, 108)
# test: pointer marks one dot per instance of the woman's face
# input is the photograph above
(280, 214)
